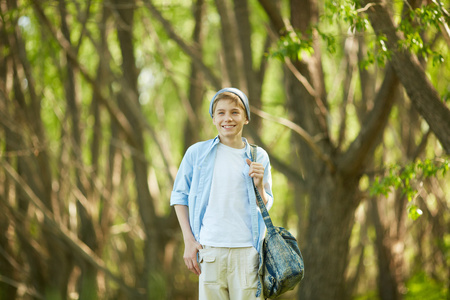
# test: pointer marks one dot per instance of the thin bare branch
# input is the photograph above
(300, 131)
(302, 79)
(188, 49)
(292, 174)
(111, 106)
(360, 149)
(115, 112)
(61, 230)
(23, 287)
(288, 29)
(411, 74)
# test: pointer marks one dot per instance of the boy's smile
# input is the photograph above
(229, 119)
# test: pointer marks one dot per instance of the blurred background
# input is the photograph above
(100, 99)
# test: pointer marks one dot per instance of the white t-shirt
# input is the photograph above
(227, 220)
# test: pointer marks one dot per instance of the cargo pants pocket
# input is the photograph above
(209, 266)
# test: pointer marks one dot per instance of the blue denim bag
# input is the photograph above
(281, 262)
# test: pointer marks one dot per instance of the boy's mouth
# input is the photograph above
(228, 126)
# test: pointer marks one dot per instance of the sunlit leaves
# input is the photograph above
(414, 212)
(350, 13)
(417, 22)
(408, 178)
(330, 41)
(380, 53)
(423, 286)
(412, 26)
(292, 46)
(428, 15)
(346, 10)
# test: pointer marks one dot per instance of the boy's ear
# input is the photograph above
(246, 122)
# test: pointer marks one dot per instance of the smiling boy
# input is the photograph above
(216, 206)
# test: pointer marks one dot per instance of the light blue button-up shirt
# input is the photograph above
(192, 186)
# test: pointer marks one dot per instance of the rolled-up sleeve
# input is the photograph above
(183, 180)
(267, 177)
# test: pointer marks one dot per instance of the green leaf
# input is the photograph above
(414, 212)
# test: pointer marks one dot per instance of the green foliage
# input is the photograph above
(52, 293)
(415, 24)
(88, 288)
(292, 46)
(338, 12)
(427, 18)
(346, 10)
(367, 296)
(421, 286)
(350, 13)
(157, 286)
(164, 78)
(329, 39)
(380, 55)
(406, 179)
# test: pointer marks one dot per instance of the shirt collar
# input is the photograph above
(247, 148)
(216, 141)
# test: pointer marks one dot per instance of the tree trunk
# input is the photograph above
(331, 216)
(57, 271)
(411, 74)
(253, 82)
(7, 290)
(196, 89)
(87, 232)
(127, 99)
(232, 73)
(333, 195)
(386, 280)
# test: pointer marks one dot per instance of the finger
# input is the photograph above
(258, 175)
(188, 264)
(191, 266)
(196, 268)
(258, 166)
(249, 162)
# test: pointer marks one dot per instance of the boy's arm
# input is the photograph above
(191, 246)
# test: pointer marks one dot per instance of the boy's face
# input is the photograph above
(229, 119)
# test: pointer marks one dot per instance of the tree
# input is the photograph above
(100, 99)
(423, 95)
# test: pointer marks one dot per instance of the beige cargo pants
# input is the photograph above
(228, 273)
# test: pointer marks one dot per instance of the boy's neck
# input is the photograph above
(237, 142)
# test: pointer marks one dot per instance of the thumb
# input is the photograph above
(249, 162)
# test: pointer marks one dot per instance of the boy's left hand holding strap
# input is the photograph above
(256, 172)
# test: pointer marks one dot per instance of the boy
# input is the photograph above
(216, 206)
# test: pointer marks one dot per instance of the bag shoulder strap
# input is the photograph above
(261, 205)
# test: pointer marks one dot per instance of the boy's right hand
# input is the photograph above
(191, 248)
